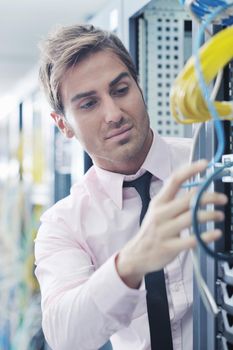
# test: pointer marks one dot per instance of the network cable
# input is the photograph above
(203, 8)
(212, 108)
(195, 206)
(188, 105)
(221, 142)
(190, 99)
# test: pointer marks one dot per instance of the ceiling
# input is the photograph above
(24, 22)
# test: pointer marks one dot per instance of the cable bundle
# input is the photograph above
(202, 8)
(192, 100)
(186, 99)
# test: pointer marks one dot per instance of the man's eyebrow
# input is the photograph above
(82, 94)
(93, 92)
(118, 78)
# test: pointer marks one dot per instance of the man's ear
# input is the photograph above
(62, 124)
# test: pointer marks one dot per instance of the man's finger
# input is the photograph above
(179, 244)
(181, 175)
(181, 204)
(173, 227)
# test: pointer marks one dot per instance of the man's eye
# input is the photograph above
(121, 91)
(88, 105)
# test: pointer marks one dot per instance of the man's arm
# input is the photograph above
(79, 305)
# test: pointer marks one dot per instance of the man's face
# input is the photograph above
(106, 112)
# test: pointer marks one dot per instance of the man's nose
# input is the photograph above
(112, 111)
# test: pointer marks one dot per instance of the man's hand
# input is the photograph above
(158, 241)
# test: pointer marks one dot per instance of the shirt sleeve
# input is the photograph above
(81, 307)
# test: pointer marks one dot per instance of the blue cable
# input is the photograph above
(204, 88)
(195, 206)
(221, 143)
(203, 8)
(206, 95)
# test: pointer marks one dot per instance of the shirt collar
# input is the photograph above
(157, 162)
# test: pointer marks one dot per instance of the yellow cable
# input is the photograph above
(186, 100)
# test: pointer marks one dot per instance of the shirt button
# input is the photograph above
(176, 287)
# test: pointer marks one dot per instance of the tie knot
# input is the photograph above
(142, 185)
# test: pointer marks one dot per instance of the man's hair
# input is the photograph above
(66, 47)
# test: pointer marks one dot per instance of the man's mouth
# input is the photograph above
(119, 132)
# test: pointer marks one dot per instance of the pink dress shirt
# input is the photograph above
(84, 301)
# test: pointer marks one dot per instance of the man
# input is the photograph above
(91, 252)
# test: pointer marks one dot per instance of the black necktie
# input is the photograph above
(157, 304)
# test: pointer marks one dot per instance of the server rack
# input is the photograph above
(212, 332)
(216, 332)
(209, 332)
(151, 36)
(160, 42)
